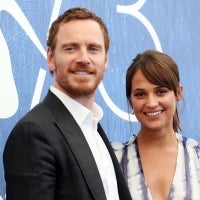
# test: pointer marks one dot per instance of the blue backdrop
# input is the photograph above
(134, 26)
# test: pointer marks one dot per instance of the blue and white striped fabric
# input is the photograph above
(186, 181)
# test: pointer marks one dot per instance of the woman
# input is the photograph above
(158, 163)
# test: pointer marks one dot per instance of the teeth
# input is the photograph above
(153, 113)
(81, 73)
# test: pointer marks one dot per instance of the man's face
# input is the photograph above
(79, 59)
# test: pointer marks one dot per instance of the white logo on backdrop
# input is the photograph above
(9, 100)
(133, 10)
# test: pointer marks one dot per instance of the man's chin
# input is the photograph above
(81, 92)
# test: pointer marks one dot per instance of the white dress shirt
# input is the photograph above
(88, 120)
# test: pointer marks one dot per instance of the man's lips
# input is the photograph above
(83, 72)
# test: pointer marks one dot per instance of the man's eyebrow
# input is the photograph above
(70, 44)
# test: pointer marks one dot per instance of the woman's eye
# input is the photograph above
(139, 94)
(162, 91)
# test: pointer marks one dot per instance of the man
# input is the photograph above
(58, 151)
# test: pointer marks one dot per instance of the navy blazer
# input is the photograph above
(46, 157)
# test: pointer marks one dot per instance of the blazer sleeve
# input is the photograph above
(29, 164)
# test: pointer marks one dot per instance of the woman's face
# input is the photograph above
(154, 106)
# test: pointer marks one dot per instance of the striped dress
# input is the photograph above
(186, 180)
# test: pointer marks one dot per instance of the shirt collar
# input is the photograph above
(79, 112)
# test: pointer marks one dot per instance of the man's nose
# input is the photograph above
(83, 57)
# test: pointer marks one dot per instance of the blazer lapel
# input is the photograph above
(122, 185)
(79, 146)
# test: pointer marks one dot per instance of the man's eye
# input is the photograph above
(94, 49)
(69, 48)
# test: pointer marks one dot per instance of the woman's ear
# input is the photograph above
(179, 93)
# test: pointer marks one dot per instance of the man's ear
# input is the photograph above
(106, 62)
(50, 60)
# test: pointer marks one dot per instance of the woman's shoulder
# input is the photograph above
(119, 146)
(189, 143)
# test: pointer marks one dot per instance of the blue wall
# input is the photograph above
(134, 26)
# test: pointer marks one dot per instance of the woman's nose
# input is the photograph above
(152, 101)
